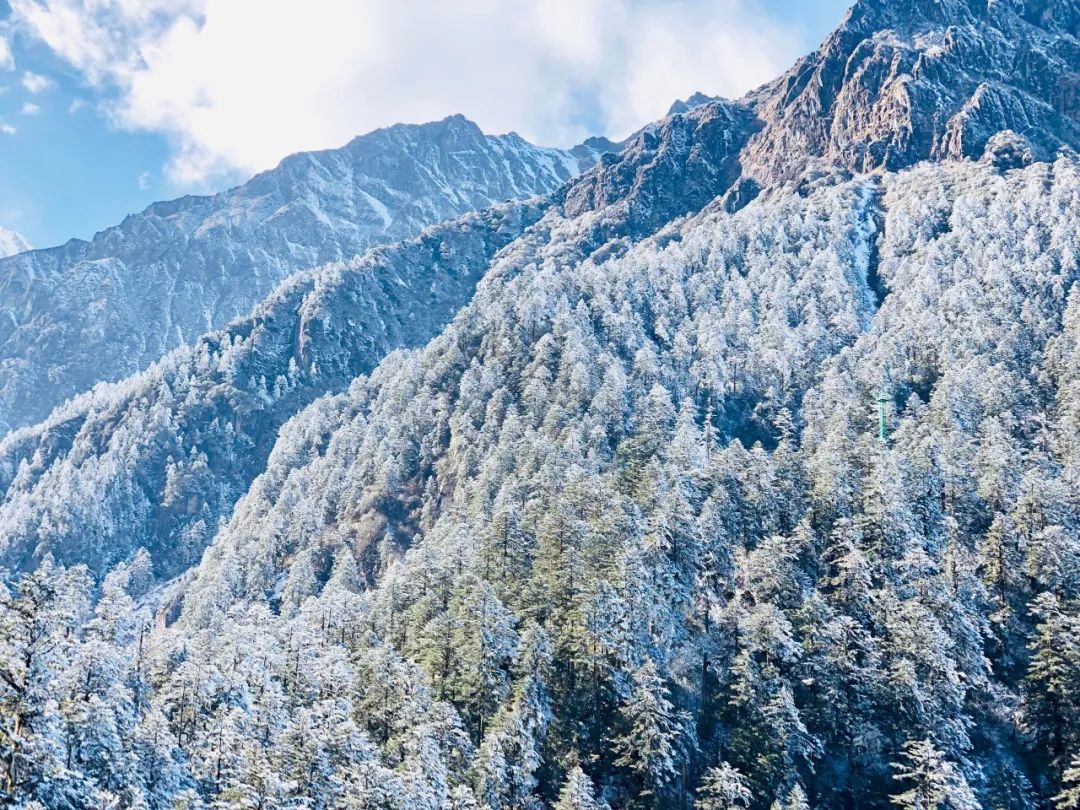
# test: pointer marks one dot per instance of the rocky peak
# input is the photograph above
(896, 83)
(673, 168)
(900, 82)
(695, 100)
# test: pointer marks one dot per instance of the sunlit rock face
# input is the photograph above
(923, 79)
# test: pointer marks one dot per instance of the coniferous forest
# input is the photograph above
(743, 477)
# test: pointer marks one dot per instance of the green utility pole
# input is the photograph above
(883, 401)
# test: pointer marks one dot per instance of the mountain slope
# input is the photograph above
(743, 478)
(594, 343)
(96, 311)
(632, 515)
(161, 458)
(813, 603)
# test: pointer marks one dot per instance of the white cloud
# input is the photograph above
(12, 242)
(7, 58)
(29, 108)
(238, 84)
(76, 105)
(7, 129)
(35, 82)
(144, 180)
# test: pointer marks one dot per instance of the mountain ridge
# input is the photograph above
(85, 311)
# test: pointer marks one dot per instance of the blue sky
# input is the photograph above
(108, 105)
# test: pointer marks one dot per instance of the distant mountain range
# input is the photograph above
(86, 312)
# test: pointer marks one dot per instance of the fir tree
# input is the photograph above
(577, 793)
(723, 788)
(932, 781)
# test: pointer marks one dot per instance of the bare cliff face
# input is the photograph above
(670, 169)
(895, 84)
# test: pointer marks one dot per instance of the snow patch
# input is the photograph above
(379, 208)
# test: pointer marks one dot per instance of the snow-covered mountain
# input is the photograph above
(669, 460)
(167, 453)
(738, 472)
(12, 242)
(85, 312)
(218, 406)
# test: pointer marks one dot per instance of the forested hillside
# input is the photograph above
(160, 458)
(634, 518)
(722, 489)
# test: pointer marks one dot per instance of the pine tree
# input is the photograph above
(656, 737)
(485, 644)
(511, 754)
(506, 548)
(302, 582)
(99, 701)
(577, 793)
(1069, 797)
(1052, 685)
(933, 782)
(795, 800)
(494, 785)
(161, 765)
(723, 788)
(344, 575)
(38, 622)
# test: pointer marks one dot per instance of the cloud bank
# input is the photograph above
(238, 84)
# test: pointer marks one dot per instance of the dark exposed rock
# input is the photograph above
(695, 100)
(676, 168)
(895, 84)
